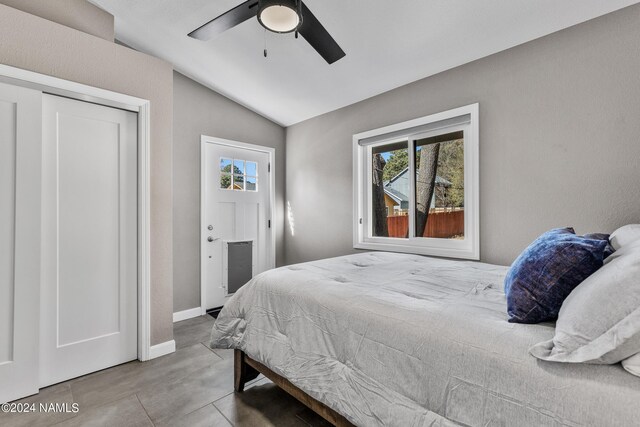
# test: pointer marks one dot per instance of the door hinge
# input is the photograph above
(360, 221)
(269, 223)
(269, 167)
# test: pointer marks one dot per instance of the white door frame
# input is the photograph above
(56, 86)
(204, 140)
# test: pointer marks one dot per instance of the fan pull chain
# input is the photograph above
(299, 7)
(265, 43)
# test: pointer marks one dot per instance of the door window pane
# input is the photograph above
(390, 190)
(225, 181)
(225, 173)
(252, 169)
(225, 165)
(238, 166)
(439, 184)
(251, 183)
(238, 182)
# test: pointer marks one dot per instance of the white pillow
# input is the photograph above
(625, 235)
(599, 322)
(632, 364)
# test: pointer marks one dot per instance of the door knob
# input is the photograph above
(210, 239)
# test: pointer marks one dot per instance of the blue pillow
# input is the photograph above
(547, 271)
(608, 250)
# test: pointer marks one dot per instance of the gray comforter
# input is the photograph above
(404, 340)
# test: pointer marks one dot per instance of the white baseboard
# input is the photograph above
(162, 349)
(187, 314)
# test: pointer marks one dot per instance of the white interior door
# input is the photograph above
(20, 186)
(89, 239)
(236, 207)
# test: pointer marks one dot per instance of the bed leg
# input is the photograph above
(242, 372)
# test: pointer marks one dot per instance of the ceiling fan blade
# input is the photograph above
(318, 37)
(227, 20)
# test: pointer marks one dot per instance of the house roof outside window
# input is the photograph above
(398, 187)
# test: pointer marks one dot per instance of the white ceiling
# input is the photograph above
(388, 43)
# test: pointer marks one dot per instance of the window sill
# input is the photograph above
(412, 246)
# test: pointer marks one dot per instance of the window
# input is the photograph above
(238, 175)
(416, 186)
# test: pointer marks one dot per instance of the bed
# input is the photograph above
(403, 340)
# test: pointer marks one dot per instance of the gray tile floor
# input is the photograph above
(191, 387)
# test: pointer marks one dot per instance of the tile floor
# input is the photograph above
(191, 387)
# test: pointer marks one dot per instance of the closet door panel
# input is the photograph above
(89, 274)
(20, 218)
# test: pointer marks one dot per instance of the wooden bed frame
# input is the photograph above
(246, 369)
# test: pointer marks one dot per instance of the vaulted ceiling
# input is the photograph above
(388, 43)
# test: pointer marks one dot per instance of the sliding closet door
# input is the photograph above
(89, 283)
(20, 162)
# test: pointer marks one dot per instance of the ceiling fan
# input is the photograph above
(278, 16)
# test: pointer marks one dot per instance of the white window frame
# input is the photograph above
(233, 175)
(467, 248)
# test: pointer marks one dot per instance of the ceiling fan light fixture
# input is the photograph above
(280, 16)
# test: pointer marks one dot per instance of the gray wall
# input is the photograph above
(200, 111)
(78, 14)
(43, 46)
(559, 141)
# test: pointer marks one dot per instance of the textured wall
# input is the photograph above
(78, 14)
(559, 141)
(199, 111)
(36, 44)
